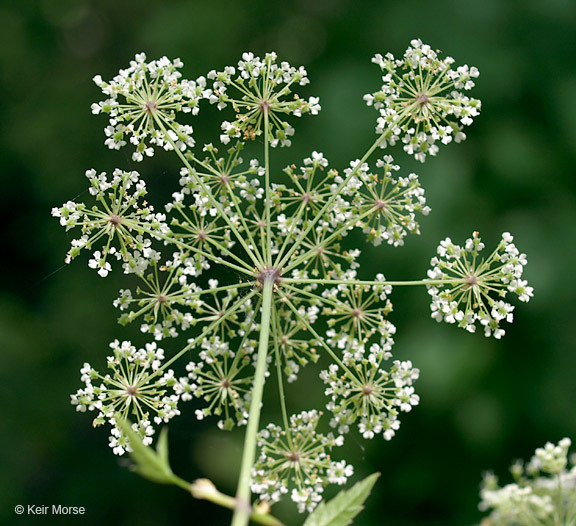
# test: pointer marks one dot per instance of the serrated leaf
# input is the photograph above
(341, 510)
(148, 463)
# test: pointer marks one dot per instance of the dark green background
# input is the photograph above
(484, 402)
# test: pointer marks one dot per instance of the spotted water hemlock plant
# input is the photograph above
(543, 492)
(290, 293)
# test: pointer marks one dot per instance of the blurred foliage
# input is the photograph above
(484, 402)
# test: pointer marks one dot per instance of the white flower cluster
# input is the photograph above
(165, 297)
(382, 206)
(121, 215)
(297, 458)
(516, 506)
(386, 207)
(229, 180)
(138, 388)
(356, 314)
(142, 106)
(362, 391)
(223, 379)
(551, 458)
(260, 87)
(283, 248)
(222, 173)
(544, 491)
(304, 199)
(467, 289)
(420, 101)
(309, 189)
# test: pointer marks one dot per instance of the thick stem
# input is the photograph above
(204, 489)
(243, 507)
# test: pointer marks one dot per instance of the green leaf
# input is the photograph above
(148, 463)
(342, 509)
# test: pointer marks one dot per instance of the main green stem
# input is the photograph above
(243, 507)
